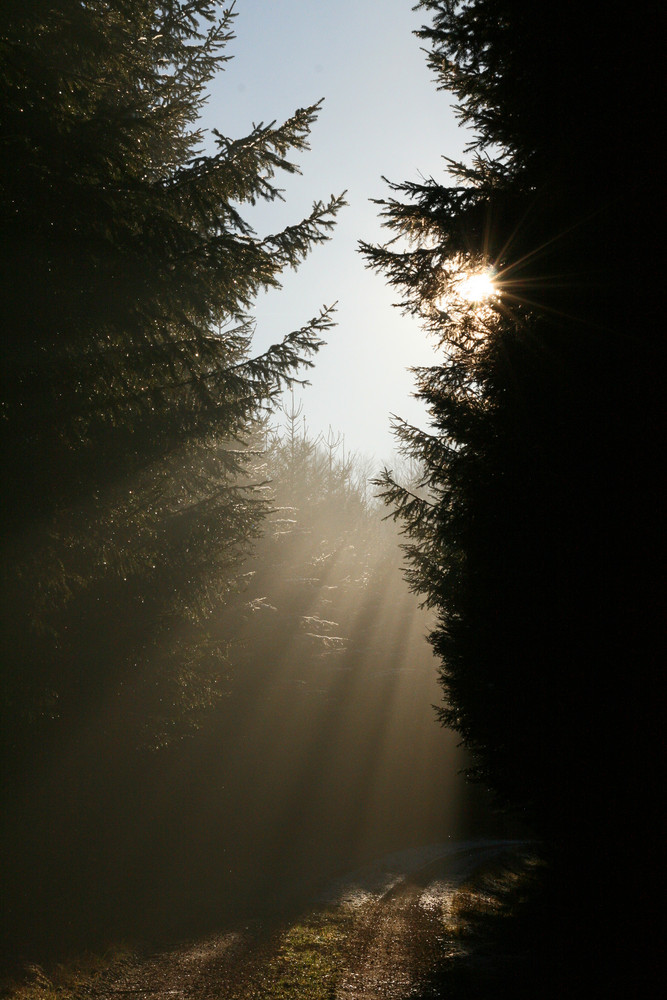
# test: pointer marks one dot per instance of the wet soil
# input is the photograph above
(379, 933)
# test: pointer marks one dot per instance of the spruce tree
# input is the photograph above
(533, 533)
(129, 395)
(128, 274)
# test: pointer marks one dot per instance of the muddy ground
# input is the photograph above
(381, 932)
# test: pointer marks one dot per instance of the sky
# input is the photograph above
(382, 115)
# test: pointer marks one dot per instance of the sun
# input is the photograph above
(469, 289)
(478, 286)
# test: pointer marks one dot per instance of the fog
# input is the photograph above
(315, 747)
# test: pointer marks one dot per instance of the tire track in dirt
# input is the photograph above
(394, 939)
(397, 939)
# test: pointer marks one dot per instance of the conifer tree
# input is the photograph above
(127, 276)
(532, 534)
(326, 554)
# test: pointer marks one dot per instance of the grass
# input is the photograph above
(481, 944)
(305, 959)
(63, 981)
(494, 938)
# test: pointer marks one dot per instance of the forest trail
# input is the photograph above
(398, 939)
(378, 935)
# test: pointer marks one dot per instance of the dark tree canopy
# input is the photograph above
(127, 268)
(127, 275)
(534, 534)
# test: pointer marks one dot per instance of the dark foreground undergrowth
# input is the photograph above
(518, 928)
(523, 929)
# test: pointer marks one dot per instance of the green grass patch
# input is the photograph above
(306, 960)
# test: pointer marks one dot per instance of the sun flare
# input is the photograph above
(478, 286)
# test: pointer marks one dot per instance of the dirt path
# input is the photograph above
(377, 937)
(398, 939)
(192, 972)
(391, 947)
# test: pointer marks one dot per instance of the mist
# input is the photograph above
(306, 746)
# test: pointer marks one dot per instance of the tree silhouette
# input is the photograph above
(531, 535)
(129, 389)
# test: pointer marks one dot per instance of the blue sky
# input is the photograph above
(382, 115)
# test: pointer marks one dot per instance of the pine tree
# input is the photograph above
(128, 388)
(531, 534)
(127, 267)
(322, 570)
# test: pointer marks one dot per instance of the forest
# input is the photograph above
(224, 632)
